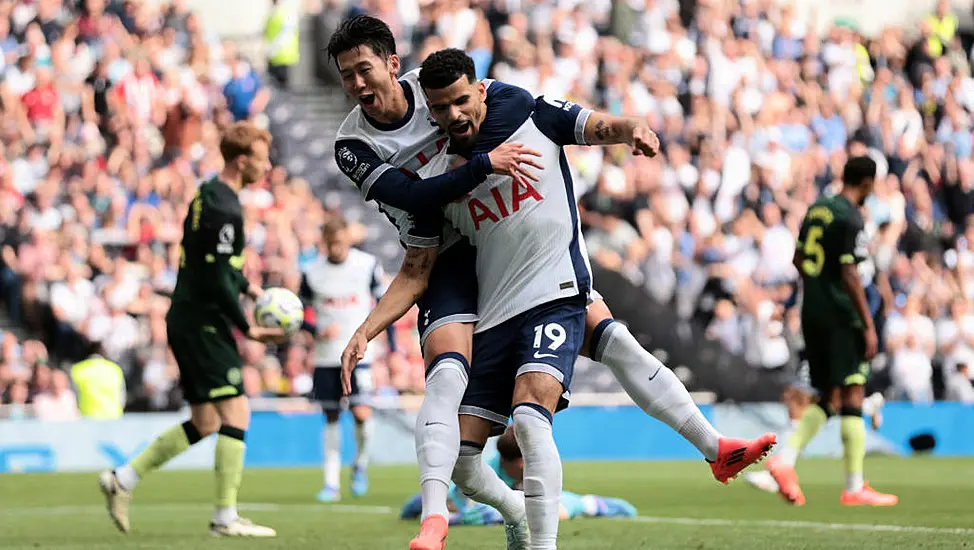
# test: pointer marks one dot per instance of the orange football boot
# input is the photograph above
(787, 480)
(868, 497)
(432, 534)
(733, 455)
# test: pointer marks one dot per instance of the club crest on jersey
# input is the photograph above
(501, 207)
(347, 159)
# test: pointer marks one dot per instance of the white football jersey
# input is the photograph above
(366, 149)
(530, 249)
(341, 294)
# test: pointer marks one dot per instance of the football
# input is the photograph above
(279, 308)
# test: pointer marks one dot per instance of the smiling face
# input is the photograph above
(370, 80)
(459, 108)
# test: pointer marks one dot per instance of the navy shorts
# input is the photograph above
(547, 338)
(327, 390)
(451, 296)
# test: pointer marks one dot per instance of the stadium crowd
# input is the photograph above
(111, 113)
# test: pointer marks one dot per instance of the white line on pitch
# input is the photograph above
(803, 525)
(386, 510)
(165, 508)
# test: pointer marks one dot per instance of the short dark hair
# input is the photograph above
(444, 67)
(858, 170)
(507, 445)
(362, 30)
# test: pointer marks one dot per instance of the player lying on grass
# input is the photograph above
(508, 464)
(521, 271)
(840, 337)
(381, 145)
(205, 310)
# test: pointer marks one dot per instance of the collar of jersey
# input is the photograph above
(392, 126)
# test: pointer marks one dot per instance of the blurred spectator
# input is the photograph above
(244, 93)
(101, 386)
(959, 386)
(59, 401)
(281, 35)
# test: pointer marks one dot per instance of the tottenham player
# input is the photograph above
(389, 129)
(520, 298)
(381, 145)
(339, 288)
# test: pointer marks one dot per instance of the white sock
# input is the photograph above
(480, 482)
(363, 435)
(127, 477)
(787, 455)
(333, 454)
(224, 515)
(854, 483)
(542, 474)
(438, 430)
(654, 388)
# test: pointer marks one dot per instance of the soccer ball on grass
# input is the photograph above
(280, 308)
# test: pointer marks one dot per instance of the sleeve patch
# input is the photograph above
(225, 239)
(347, 160)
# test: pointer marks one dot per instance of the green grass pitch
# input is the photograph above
(680, 505)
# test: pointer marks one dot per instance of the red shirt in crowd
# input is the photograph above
(40, 103)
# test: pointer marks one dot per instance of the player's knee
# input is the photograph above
(204, 422)
(447, 378)
(193, 433)
(826, 407)
(852, 396)
(331, 415)
(532, 422)
(361, 413)
(449, 338)
(540, 388)
(448, 361)
(233, 432)
(474, 429)
(234, 412)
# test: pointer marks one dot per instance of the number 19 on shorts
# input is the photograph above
(552, 336)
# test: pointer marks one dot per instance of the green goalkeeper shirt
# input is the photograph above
(210, 279)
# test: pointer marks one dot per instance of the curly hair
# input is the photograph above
(444, 67)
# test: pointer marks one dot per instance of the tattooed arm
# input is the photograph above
(605, 129)
(410, 283)
(406, 288)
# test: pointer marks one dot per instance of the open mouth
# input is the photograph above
(460, 127)
(367, 100)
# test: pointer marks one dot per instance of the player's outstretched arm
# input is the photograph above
(385, 183)
(605, 129)
(406, 288)
(568, 123)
